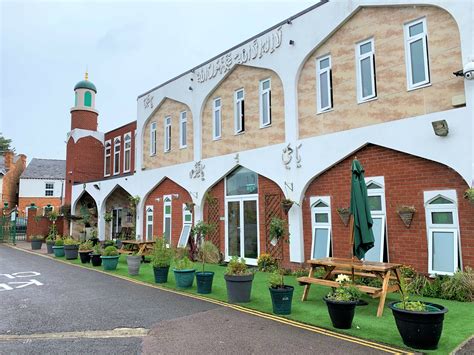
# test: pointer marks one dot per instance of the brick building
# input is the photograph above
(282, 115)
(11, 167)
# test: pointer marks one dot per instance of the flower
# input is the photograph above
(341, 278)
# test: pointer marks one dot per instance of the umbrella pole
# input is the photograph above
(351, 234)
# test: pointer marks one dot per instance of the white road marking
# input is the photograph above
(26, 283)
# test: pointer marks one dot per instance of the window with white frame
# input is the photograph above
(153, 138)
(167, 218)
(127, 152)
(324, 83)
(442, 226)
(376, 199)
(239, 113)
(149, 222)
(183, 123)
(116, 155)
(187, 224)
(365, 60)
(321, 226)
(265, 103)
(107, 158)
(416, 54)
(217, 119)
(49, 188)
(167, 138)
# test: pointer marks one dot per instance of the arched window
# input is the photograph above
(321, 223)
(242, 181)
(75, 98)
(87, 99)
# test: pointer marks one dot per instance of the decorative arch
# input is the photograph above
(86, 212)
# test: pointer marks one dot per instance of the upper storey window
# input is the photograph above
(49, 189)
(167, 142)
(265, 103)
(416, 54)
(116, 155)
(365, 56)
(153, 138)
(183, 122)
(239, 112)
(217, 119)
(127, 153)
(324, 83)
(108, 151)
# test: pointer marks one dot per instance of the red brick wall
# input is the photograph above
(120, 132)
(406, 178)
(166, 187)
(41, 225)
(84, 120)
(85, 160)
(265, 186)
(11, 179)
(39, 202)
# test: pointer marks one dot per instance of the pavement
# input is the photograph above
(49, 307)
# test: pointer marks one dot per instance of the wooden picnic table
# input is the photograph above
(141, 247)
(334, 266)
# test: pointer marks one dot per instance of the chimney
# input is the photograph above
(8, 160)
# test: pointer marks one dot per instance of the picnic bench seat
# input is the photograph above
(305, 280)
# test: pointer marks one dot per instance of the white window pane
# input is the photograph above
(375, 203)
(323, 85)
(266, 85)
(366, 48)
(240, 95)
(183, 133)
(417, 61)
(442, 217)
(321, 217)
(324, 63)
(183, 238)
(321, 240)
(416, 29)
(443, 252)
(265, 117)
(167, 231)
(217, 103)
(366, 77)
(375, 254)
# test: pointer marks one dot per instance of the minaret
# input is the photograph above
(85, 149)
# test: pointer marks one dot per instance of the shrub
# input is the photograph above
(70, 241)
(277, 228)
(97, 250)
(162, 255)
(417, 284)
(237, 266)
(59, 243)
(110, 251)
(276, 279)
(183, 264)
(408, 272)
(460, 286)
(85, 246)
(303, 272)
(346, 291)
(37, 238)
(267, 263)
(433, 288)
(108, 243)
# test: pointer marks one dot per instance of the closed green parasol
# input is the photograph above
(363, 237)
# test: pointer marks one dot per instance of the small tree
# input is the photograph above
(198, 234)
(5, 145)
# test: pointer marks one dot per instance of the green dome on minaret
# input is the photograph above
(85, 84)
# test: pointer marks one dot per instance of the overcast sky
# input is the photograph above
(129, 47)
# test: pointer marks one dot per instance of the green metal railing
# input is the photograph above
(8, 228)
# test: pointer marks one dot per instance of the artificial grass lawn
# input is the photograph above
(458, 322)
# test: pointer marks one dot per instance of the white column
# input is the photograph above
(295, 227)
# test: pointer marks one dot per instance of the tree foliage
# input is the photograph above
(5, 144)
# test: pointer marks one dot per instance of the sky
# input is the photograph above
(128, 47)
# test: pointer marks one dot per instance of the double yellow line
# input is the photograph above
(282, 320)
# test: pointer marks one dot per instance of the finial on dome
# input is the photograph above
(86, 76)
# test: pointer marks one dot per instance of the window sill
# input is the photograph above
(418, 87)
(325, 111)
(153, 155)
(216, 139)
(239, 133)
(183, 147)
(267, 126)
(367, 100)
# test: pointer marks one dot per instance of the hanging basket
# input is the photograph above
(286, 205)
(406, 217)
(345, 215)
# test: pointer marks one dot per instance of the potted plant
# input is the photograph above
(161, 260)
(71, 248)
(207, 253)
(184, 272)
(469, 195)
(406, 214)
(286, 205)
(85, 249)
(50, 240)
(198, 234)
(58, 248)
(420, 324)
(109, 243)
(96, 255)
(110, 258)
(133, 263)
(108, 217)
(36, 242)
(344, 214)
(238, 280)
(277, 230)
(281, 294)
(341, 302)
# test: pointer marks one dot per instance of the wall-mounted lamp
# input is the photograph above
(175, 196)
(158, 199)
(292, 43)
(440, 128)
(97, 186)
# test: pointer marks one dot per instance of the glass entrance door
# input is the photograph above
(116, 222)
(242, 229)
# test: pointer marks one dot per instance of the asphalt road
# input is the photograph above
(47, 307)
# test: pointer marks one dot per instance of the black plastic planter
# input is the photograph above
(420, 330)
(184, 278)
(281, 299)
(49, 246)
(85, 256)
(71, 251)
(96, 260)
(204, 282)
(161, 274)
(36, 244)
(341, 312)
(239, 288)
